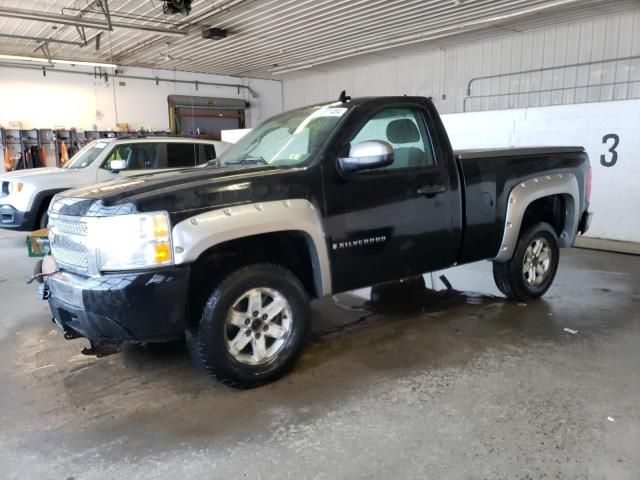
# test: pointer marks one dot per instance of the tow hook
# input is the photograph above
(100, 349)
(40, 277)
(43, 291)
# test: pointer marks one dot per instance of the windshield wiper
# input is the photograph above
(248, 161)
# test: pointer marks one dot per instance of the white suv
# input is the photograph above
(25, 194)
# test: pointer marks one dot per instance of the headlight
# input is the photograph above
(129, 242)
(17, 187)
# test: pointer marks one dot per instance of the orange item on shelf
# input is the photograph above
(64, 154)
(43, 156)
(7, 159)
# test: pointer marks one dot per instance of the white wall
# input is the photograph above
(70, 100)
(615, 195)
(443, 73)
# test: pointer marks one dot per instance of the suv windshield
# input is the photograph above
(286, 140)
(87, 155)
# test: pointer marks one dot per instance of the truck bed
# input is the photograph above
(489, 175)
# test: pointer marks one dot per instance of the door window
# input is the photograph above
(207, 153)
(180, 155)
(139, 156)
(405, 130)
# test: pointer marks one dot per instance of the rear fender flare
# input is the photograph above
(523, 194)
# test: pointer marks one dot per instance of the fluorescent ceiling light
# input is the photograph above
(55, 60)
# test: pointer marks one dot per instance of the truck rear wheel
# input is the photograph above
(531, 271)
(253, 326)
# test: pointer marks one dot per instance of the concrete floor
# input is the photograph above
(455, 386)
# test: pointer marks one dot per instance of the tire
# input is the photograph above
(520, 283)
(245, 350)
(43, 221)
(192, 338)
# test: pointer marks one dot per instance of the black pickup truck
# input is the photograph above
(312, 202)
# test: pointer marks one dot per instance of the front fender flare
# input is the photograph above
(194, 235)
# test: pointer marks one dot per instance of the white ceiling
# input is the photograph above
(271, 38)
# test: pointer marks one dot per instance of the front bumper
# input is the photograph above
(12, 218)
(115, 308)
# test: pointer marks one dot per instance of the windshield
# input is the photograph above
(287, 140)
(87, 155)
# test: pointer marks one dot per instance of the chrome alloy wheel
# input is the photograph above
(257, 326)
(536, 266)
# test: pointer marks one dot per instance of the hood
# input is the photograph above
(180, 192)
(34, 172)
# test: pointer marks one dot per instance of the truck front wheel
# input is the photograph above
(253, 326)
(530, 273)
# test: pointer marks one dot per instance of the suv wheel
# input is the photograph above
(253, 326)
(531, 271)
(43, 221)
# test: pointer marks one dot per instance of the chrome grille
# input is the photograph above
(68, 242)
(72, 228)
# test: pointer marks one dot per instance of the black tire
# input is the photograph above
(43, 221)
(207, 341)
(509, 276)
(192, 338)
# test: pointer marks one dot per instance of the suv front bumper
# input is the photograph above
(12, 218)
(115, 308)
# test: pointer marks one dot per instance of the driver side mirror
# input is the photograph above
(367, 155)
(116, 165)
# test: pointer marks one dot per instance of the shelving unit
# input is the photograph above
(12, 141)
(49, 140)
(48, 147)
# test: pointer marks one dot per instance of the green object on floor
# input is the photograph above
(38, 243)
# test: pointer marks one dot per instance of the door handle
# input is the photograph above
(431, 190)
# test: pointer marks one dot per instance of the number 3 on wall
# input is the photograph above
(612, 150)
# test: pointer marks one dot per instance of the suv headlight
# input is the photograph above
(14, 187)
(130, 242)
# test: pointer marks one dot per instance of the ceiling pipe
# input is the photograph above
(155, 80)
(420, 37)
(81, 22)
(547, 69)
(42, 39)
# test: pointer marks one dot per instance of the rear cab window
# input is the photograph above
(181, 155)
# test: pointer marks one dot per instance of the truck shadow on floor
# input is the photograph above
(347, 323)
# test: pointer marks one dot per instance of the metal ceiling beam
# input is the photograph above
(104, 6)
(81, 22)
(41, 39)
(82, 34)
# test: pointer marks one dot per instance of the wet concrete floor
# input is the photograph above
(454, 385)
